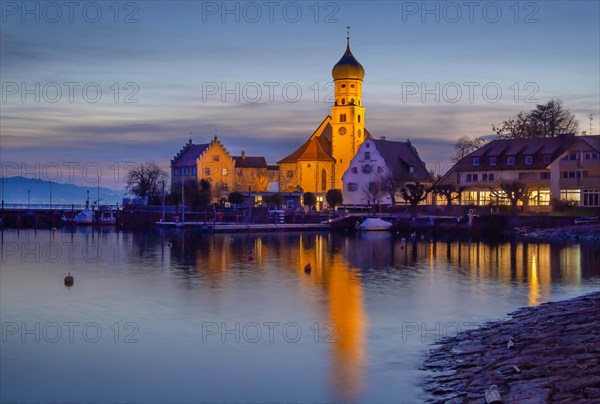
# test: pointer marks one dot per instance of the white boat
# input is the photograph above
(107, 217)
(86, 216)
(374, 224)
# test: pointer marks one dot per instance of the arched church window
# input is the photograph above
(359, 132)
(343, 86)
(323, 180)
(351, 85)
(352, 101)
(359, 121)
(343, 101)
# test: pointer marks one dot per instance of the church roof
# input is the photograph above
(188, 155)
(399, 156)
(317, 148)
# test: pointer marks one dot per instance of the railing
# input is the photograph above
(57, 206)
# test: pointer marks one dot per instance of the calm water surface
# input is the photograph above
(174, 316)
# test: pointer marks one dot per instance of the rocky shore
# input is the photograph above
(547, 353)
(590, 232)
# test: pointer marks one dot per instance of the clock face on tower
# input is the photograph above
(342, 131)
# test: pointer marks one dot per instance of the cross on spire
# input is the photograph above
(348, 32)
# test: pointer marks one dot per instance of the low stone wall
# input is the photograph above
(547, 353)
(566, 233)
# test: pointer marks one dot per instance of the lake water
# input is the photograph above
(176, 316)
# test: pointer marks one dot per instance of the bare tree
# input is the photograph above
(390, 185)
(414, 193)
(373, 192)
(546, 120)
(448, 191)
(513, 192)
(465, 145)
(145, 181)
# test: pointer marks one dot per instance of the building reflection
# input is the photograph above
(343, 265)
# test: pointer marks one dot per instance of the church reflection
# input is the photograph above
(342, 266)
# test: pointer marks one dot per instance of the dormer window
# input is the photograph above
(510, 160)
(411, 169)
(547, 159)
(493, 161)
(475, 161)
(529, 160)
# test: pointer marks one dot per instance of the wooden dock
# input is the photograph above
(238, 227)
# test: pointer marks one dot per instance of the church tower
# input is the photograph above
(347, 113)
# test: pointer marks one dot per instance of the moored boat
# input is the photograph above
(374, 224)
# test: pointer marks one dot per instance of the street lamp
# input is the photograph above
(28, 198)
(50, 182)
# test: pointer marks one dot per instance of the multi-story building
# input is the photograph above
(212, 162)
(563, 168)
(378, 162)
(319, 163)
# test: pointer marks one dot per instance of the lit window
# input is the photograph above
(529, 160)
(493, 161)
(352, 187)
(224, 171)
(216, 158)
(476, 161)
(510, 160)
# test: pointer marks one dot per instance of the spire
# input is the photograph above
(347, 37)
(215, 134)
(190, 137)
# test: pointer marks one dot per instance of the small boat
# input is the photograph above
(84, 217)
(587, 220)
(374, 224)
(107, 217)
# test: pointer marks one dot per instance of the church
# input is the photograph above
(318, 164)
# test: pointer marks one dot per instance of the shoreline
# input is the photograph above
(555, 357)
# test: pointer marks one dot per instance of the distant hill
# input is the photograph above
(15, 191)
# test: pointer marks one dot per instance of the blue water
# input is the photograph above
(176, 316)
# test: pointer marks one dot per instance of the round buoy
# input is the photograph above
(69, 280)
(307, 269)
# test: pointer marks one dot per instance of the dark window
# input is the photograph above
(476, 161)
(529, 160)
(379, 170)
(510, 160)
(491, 177)
(484, 177)
(323, 180)
(367, 155)
(359, 119)
(352, 186)
(547, 159)
(290, 174)
(354, 170)
(342, 117)
(367, 169)
(493, 161)
(368, 145)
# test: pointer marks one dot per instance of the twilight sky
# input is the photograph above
(433, 73)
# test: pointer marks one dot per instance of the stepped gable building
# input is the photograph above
(319, 163)
(212, 162)
(563, 168)
(374, 163)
